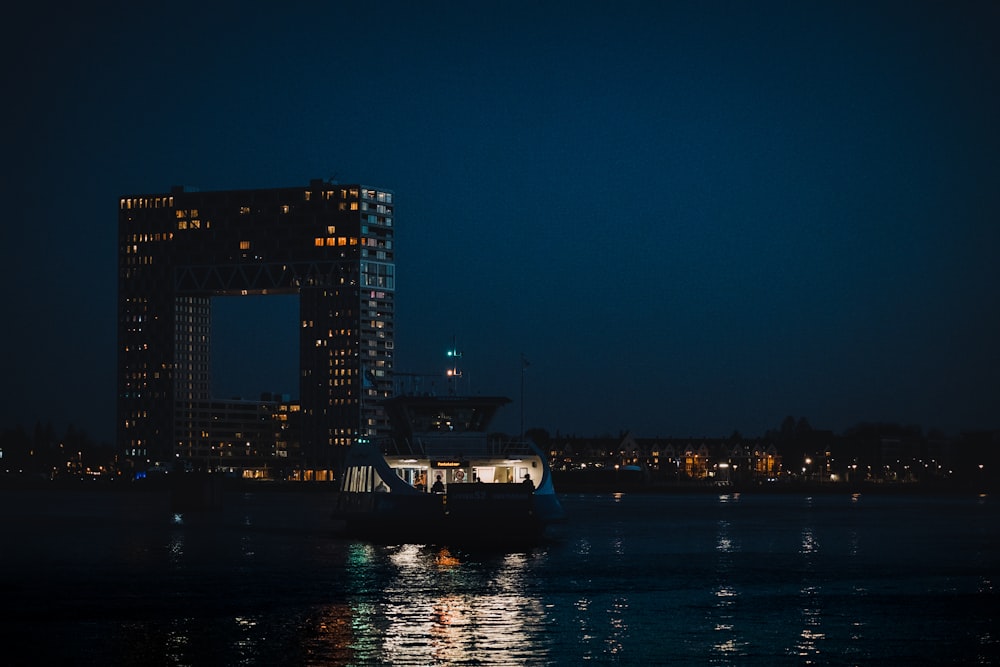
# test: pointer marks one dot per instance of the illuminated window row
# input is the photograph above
(127, 203)
(378, 195)
(330, 194)
(319, 241)
(147, 238)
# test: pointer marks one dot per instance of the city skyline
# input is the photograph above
(691, 219)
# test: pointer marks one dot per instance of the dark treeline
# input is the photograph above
(45, 452)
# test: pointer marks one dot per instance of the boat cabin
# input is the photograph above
(445, 440)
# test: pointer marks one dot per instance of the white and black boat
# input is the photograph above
(443, 478)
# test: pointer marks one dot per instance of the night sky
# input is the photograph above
(691, 218)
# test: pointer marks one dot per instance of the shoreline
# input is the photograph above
(564, 484)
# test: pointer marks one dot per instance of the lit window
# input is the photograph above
(244, 245)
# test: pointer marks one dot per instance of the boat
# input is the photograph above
(442, 478)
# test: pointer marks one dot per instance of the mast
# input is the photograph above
(453, 372)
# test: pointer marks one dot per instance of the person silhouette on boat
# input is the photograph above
(527, 481)
(438, 486)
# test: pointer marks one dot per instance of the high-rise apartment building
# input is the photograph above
(327, 243)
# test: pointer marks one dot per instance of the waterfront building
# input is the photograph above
(329, 244)
(254, 439)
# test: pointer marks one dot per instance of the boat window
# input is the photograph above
(359, 479)
(414, 476)
(485, 475)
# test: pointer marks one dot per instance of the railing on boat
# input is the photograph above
(456, 445)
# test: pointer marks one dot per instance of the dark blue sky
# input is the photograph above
(691, 218)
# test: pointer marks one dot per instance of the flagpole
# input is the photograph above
(524, 366)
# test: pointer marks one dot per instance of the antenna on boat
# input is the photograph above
(454, 372)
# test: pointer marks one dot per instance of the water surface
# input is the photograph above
(115, 578)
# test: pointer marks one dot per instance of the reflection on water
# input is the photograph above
(177, 641)
(723, 543)
(582, 626)
(727, 644)
(810, 595)
(617, 626)
(244, 644)
(330, 635)
(720, 579)
(438, 606)
(811, 616)
(809, 543)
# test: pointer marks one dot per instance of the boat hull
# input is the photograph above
(469, 514)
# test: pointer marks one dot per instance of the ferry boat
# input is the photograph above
(443, 478)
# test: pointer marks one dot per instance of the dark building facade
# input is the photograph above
(329, 244)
